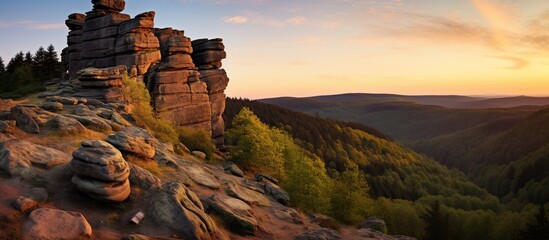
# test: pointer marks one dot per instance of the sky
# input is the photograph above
(320, 47)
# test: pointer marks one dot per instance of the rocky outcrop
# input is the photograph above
(179, 209)
(103, 84)
(17, 156)
(277, 193)
(207, 55)
(178, 94)
(320, 234)
(236, 213)
(45, 223)
(186, 87)
(101, 172)
(133, 140)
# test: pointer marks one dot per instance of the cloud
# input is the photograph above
(34, 25)
(517, 63)
(236, 20)
(296, 20)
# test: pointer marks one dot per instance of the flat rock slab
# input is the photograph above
(201, 176)
(18, 155)
(52, 224)
(247, 195)
(236, 213)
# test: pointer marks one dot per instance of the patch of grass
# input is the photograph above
(329, 223)
(149, 165)
(112, 218)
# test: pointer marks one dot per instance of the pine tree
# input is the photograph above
(39, 67)
(2, 66)
(28, 59)
(437, 223)
(52, 66)
(17, 61)
(538, 230)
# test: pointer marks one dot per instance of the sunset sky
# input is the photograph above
(316, 47)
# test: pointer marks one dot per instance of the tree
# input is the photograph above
(2, 66)
(308, 185)
(53, 68)
(17, 61)
(539, 230)
(437, 223)
(351, 202)
(253, 145)
(28, 59)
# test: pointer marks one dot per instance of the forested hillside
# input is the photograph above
(398, 177)
(502, 150)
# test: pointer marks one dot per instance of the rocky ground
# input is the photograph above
(75, 168)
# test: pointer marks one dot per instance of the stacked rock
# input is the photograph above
(136, 45)
(101, 172)
(100, 32)
(71, 54)
(207, 56)
(104, 84)
(178, 94)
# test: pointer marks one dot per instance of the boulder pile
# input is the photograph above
(207, 55)
(101, 172)
(103, 84)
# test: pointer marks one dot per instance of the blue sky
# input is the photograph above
(312, 47)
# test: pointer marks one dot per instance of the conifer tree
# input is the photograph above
(437, 223)
(17, 61)
(539, 230)
(2, 66)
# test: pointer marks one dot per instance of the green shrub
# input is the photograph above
(197, 139)
(137, 95)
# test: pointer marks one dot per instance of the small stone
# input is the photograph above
(234, 170)
(52, 106)
(199, 154)
(24, 204)
(137, 218)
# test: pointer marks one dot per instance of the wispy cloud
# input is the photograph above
(309, 40)
(236, 20)
(34, 25)
(516, 62)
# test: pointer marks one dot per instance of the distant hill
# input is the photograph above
(495, 146)
(450, 101)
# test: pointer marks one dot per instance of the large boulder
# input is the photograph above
(277, 193)
(237, 214)
(101, 172)
(68, 125)
(179, 209)
(17, 156)
(143, 178)
(320, 234)
(134, 140)
(26, 118)
(53, 224)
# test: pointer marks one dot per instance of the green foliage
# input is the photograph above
(138, 96)
(197, 139)
(254, 145)
(401, 217)
(18, 84)
(351, 202)
(437, 223)
(272, 151)
(539, 229)
(2, 66)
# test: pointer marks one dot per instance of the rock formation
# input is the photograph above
(207, 56)
(186, 87)
(101, 172)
